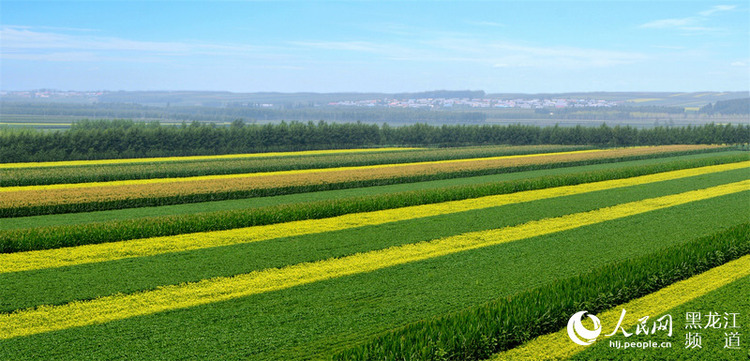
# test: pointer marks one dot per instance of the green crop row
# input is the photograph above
(112, 172)
(478, 332)
(266, 192)
(17, 240)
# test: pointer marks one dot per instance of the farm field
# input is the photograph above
(381, 254)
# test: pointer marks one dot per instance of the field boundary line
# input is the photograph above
(558, 345)
(173, 297)
(102, 252)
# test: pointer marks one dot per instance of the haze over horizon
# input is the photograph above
(385, 47)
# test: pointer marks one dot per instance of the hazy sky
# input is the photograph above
(391, 46)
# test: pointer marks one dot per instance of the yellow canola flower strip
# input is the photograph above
(118, 307)
(278, 173)
(193, 158)
(69, 256)
(558, 346)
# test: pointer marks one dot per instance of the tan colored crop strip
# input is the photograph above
(121, 192)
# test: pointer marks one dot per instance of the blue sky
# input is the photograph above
(376, 46)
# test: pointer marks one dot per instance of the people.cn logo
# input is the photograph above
(580, 334)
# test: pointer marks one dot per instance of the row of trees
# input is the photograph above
(125, 138)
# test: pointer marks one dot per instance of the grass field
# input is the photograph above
(404, 261)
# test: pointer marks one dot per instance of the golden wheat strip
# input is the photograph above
(285, 172)
(558, 346)
(60, 257)
(117, 307)
(192, 158)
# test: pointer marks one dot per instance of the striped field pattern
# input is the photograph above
(326, 287)
(214, 290)
(176, 167)
(24, 261)
(163, 187)
(280, 173)
(190, 158)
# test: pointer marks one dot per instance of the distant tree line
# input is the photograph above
(125, 138)
(726, 107)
